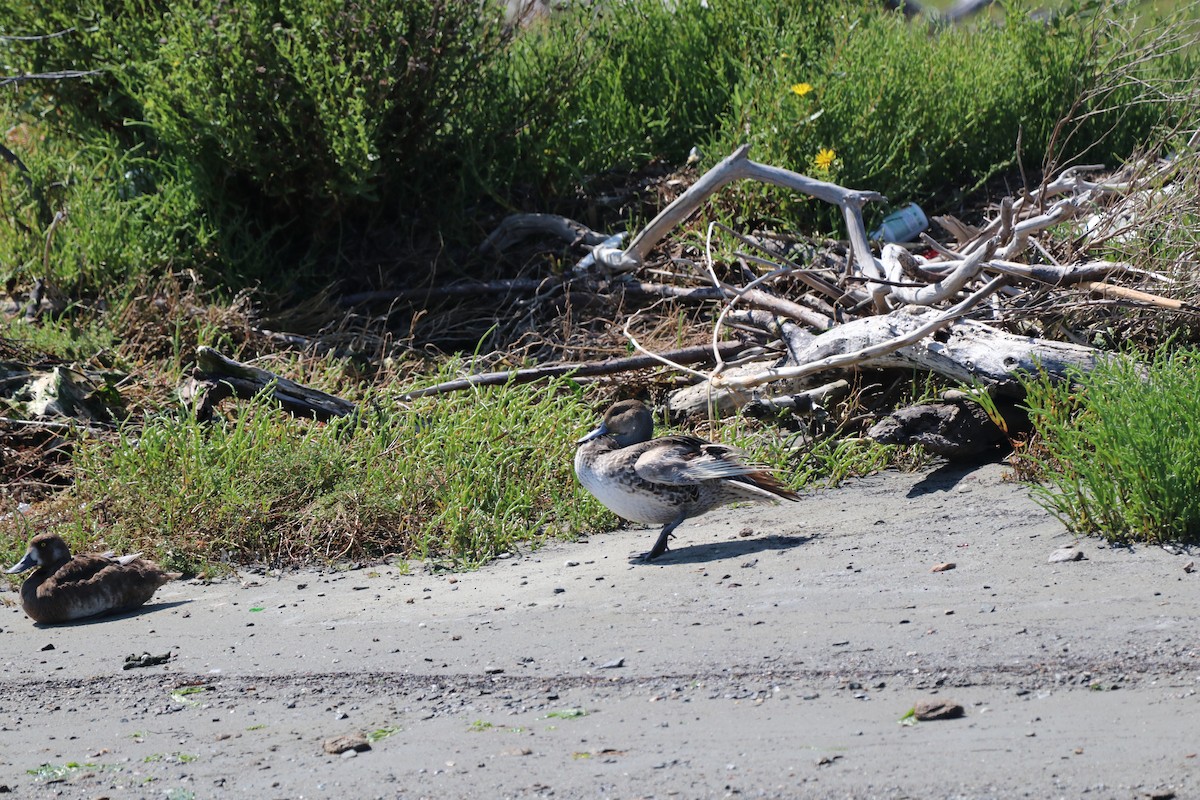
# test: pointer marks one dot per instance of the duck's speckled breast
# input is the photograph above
(610, 477)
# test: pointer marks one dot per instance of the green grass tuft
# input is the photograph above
(1119, 452)
(460, 478)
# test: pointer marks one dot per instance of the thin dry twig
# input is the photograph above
(613, 366)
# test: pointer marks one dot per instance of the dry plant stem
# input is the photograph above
(813, 277)
(513, 285)
(665, 358)
(809, 277)
(689, 355)
(58, 217)
(738, 167)
(754, 298)
(760, 298)
(40, 37)
(66, 74)
(51, 425)
(1124, 293)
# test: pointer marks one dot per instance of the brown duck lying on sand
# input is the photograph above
(63, 588)
(666, 480)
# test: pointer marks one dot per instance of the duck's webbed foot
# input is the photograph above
(660, 545)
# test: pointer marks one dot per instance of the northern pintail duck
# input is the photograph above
(666, 480)
(63, 588)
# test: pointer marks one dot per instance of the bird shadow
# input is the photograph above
(947, 476)
(110, 617)
(721, 551)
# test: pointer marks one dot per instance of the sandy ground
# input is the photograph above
(771, 653)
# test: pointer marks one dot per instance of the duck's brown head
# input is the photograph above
(45, 550)
(627, 422)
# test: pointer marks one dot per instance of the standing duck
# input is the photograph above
(63, 588)
(666, 480)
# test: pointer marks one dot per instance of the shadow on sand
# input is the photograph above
(721, 551)
(128, 613)
(947, 476)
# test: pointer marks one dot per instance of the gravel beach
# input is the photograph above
(773, 652)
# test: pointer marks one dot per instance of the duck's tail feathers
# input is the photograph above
(765, 486)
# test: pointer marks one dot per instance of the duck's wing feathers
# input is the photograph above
(686, 459)
(82, 568)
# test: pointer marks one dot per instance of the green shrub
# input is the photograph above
(300, 122)
(1119, 452)
(122, 213)
(315, 103)
(310, 133)
(593, 91)
(909, 110)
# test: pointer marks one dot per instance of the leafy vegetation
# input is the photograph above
(1118, 454)
(461, 478)
(274, 149)
(289, 141)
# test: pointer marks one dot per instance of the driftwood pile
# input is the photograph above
(967, 308)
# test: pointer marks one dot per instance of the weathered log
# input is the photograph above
(964, 350)
(704, 399)
(959, 349)
(709, 397)
(220, 377)
(809, 400)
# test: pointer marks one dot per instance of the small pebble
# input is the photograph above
(937, 709)
(1065, 554)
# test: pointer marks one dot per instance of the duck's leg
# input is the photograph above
(660, 546)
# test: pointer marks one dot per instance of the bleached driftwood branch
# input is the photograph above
(898, 262)
(964, 350)
(735, 167)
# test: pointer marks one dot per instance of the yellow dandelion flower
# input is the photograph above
(824, 158)
(801, 89)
